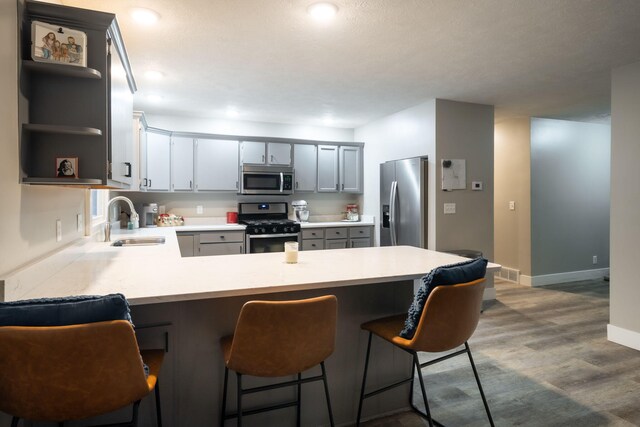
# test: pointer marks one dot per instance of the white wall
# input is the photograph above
(570, 170)
(512, 182)
(625, 206)
(408, 133)
(247, 128)
(27, 228)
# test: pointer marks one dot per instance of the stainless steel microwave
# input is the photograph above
(266, 180)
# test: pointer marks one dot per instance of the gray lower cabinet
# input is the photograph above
(336, 238)
(220, 243)
(186, 242)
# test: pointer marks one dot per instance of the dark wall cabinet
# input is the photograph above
(73, 111)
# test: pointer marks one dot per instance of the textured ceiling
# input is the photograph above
(267, 58)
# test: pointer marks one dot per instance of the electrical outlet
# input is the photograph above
(199, 210)
(512, 205)
(449, 208)
(79, 222)
(58, 230)
(595, 259)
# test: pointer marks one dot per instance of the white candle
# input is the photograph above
(291, 252)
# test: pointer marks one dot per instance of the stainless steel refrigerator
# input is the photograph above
(403, 199)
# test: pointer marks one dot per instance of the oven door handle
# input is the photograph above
(268, 236)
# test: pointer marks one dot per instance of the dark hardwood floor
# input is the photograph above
(543, 359)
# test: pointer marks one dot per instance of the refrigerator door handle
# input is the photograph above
(392, 213)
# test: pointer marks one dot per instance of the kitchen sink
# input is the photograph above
(139, 241)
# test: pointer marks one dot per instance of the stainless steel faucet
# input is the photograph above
(134, 218)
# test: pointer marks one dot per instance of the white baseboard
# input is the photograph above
(570, 276)
(623, 336)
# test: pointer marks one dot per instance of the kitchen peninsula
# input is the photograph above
(188, 304)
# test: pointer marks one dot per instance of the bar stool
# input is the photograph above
(64, 373)
(449, 318)
(276, 339)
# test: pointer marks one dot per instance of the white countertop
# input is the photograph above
(155, 274)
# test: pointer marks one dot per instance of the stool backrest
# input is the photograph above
(58, 373)
(450, 317)
(277, 338)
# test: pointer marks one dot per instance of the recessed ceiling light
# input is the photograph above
(323, 11)
(232, 112)
(154, 98)
(144, 16)
(154, 75)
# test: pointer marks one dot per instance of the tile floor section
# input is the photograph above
(543, 359)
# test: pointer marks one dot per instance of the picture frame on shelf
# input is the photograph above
(56, 44)
(67, 167)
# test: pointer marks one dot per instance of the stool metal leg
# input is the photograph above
(239, 376)
(416, 362)
(475, 373)
(298, 417)
(223, 410)
(326, 392)
(364, 379)
(158, 411)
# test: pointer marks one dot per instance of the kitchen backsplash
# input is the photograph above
(322, 207)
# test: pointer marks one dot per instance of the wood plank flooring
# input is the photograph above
(543, 359)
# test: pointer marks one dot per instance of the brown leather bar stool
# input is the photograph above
(449, 318)
(277, 339)
(64, 373)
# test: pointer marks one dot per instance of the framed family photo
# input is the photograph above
(67, 167)
(53, 43)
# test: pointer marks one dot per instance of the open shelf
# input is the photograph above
(62, 130)
(61, 69)
(65, 181)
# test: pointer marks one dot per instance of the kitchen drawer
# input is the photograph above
(209, 249)
(335, 244)
(336, 233)
(358, 232)
(364, 242)
(222, 237)
(313, 233)
(312, 244)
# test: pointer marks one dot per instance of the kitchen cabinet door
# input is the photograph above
(335, 244)
(279, 153)
(120, 137)
(360, 243)
(181, 164)
(305, 164)
(158, 161)
(327, 168)
(351, 169)
(140, 146)
(253, 152)
(216, 165)
(186, 244)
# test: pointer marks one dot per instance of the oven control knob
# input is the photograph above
(286, 229)
(275, 229)
(262, 230)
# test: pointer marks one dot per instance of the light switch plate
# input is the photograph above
(449, 208)
(476, 185)
(199, 210)
(512, 205)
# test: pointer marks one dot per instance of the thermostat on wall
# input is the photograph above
(476, 185)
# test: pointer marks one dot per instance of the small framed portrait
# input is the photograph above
(53, 43)
(66, 167)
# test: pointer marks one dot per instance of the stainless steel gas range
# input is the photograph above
(268, 226)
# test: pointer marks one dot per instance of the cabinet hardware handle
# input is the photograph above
(313, 244)
(343, 186)
(263, 158)
(272, 158)
(128, 165)
(145, 182)
(222, 237)
(296, 185)
(236, 185)
(149, 182)
(190, 184)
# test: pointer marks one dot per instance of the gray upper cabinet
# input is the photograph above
(265, 153)
(158, 158)
(181, 164)
(327, 168)
(305, 164)
(216, 165)
(350, 169)
(75, 112)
